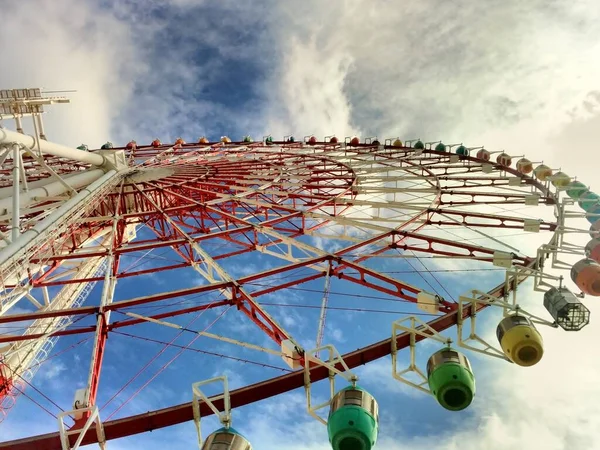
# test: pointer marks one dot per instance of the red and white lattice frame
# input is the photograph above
(261, 198)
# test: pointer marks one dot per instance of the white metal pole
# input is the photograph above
(16, 216)
(26, 238)
(10, 137)
(51, 189)
(19, 124)
(23, 173)
(40, 123)
(4, 152)
(7, 191)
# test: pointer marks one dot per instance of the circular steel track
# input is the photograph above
(288, 191)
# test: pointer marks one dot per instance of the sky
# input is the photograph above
(508, 75)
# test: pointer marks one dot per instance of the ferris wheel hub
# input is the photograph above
(150, 174)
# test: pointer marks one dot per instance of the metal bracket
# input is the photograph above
(514, 181)
(224, 416)
(502, 259)
(113, 159)
(475, 298)
(334, 358)
(532, 199)
(559, 244)
(531, 225)
(563, 249)
(487, 168)
(94, 418)
(539, 276)
(416, 327)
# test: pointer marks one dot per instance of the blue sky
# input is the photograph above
(509, 76)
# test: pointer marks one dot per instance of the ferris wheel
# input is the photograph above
(234, 224)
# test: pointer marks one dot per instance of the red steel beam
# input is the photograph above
(86, 310)
(546, 226)
(120, 324)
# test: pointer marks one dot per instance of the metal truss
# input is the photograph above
(92, 420)
(199, 396)
(208, 203)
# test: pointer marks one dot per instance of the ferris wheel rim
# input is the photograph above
(355, 358)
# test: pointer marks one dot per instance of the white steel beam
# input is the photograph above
(74, 207)
(92, 421)
(52, 189)
(7, 191)
(62, 151)
(208, 335)
(15, 226)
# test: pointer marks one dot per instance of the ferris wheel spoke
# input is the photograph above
(115, 306)
(213, 272)
(376, 215)
(172, 313)
(489, 198)
(214, 336)
(486, 220)
(339, 263)
(466, 182)
(171, 233)
(358, 226)
(421, 243)
(205, 352)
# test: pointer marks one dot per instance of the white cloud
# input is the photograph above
(70, 45)
(337, 334)
(53, 370)
(505, 75)
(310, 88)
